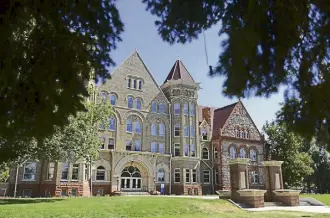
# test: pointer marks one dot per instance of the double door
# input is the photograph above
(130, 183)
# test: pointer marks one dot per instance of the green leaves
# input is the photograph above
(48, 50)
(266, 44)
(288, 147)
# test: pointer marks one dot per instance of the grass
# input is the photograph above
(124, 207)
(324, 198)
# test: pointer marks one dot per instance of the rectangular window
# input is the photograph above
(128, 145)
(134, 84)
(129, 126)
(192, 131)
(176, 150)
(161, 108)
(140, 84)
(30, 171)
(161, 129)
(192, 109)
(177, 175)
(187, 175)
(112, 124)
(254, 177)
(194, 176)
(186, 150)
(129, 82)
(153, 147)
(129, 102)
(65, 171)
(185, 109)
(27, 193)
(111, 144)
(137, 145)
(102, 139)
(192, 150)
(161, 148)
(177, 130)
(216, 177)
(186, 131)
(206, 176)
(176, 108)
(75, 172)
(50, 171)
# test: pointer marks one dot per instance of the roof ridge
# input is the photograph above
(227, 106)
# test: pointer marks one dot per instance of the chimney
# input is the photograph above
(206, 114)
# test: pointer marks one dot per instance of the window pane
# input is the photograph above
(192, 109)
(75, 171)
(134, 85)
(177, 175)
(161, 108)
(192, 131)
(177, 130)
(102, 139)
(153, 129)
(140, 84)
(187, 175)
(192, 150)
(103, 96)
(112, 124)
(129, 126)
(129, 81)
(177, 150)
(30, 171)
(129, 102)
(100, 174)
(185, 109)
(138, 104)
(161, 148)
(176, 108)
(161, 129)
(153, 147)
(111, 144)
(137, 145)
(205, 153)
(186, 150)
(161, 175)
(113, 99)
(206, 176)
(154, 107)
(186, 131)
(65, 170)
(194, 176)
(138, 129)
(128, 145)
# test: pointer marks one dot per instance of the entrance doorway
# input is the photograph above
(131, 179)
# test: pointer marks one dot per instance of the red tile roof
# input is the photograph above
(179, 71)
(220, 117)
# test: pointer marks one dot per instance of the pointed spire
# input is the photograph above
(179, 72)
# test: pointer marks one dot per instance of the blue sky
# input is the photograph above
(140, 33)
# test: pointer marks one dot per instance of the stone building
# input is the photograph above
(158, 137)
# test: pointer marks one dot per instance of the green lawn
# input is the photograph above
(124, 207)
(325, 198)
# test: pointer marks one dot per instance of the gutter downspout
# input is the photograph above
(169, 110)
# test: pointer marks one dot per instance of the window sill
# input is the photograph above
(129, 132)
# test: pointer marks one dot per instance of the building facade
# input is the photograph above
(158, 138)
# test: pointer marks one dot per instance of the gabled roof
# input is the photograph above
(220, 117)
(179, 72)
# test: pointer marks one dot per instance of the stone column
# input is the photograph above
(238, 179)
(273, 179)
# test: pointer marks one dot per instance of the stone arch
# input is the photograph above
(245, 148)
(118, 117)
(134, 158)
(136, 113)
(103, 163)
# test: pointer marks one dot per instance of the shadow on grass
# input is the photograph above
(28, 201)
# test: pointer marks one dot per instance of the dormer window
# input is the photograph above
(204, 135)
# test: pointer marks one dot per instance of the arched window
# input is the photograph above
(113, 99)
(154, 106)
(242, 134)
(161, 129)
(205, 154)
(103, 96)
(112, 124)
(161, 175)
(130, 102)
(247, 135)
(100, 173)
(232, 152)
(129, 126)
(138, 104)
(153, 129)
(204, 134)
(253, 155)
(192, 109)
(162, 108)
(237, 132)
(242, 153)
(138, 128)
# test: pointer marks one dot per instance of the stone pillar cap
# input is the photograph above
(238, 161)
(273, 163)
(251, 192)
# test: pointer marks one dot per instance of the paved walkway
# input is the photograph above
(307, 209)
